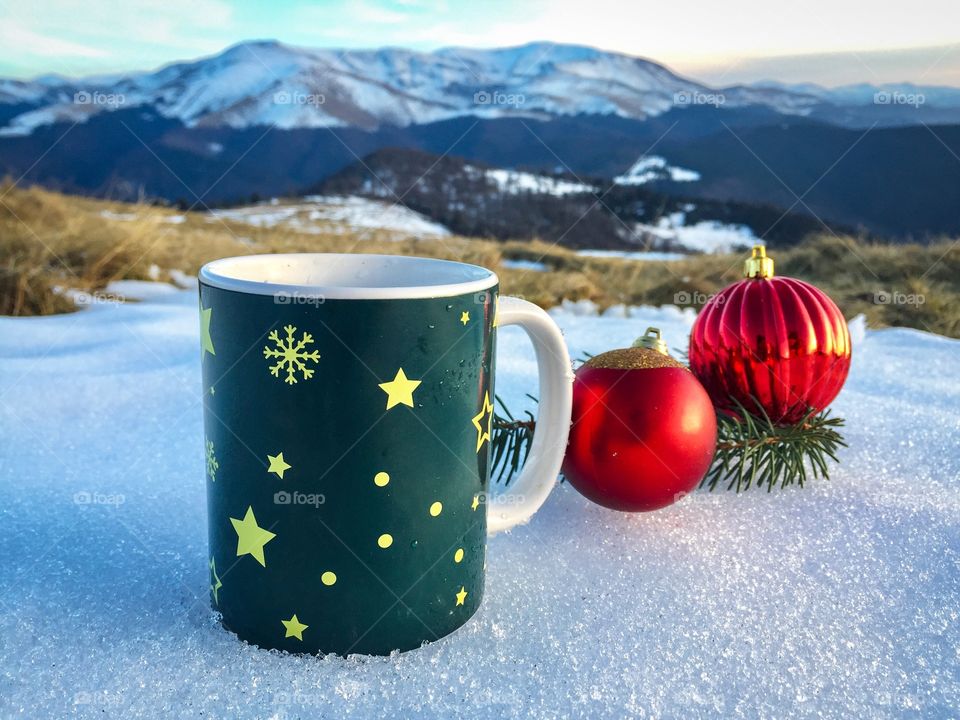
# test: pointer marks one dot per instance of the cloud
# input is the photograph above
(77, 37)
(367, 13)
(82, 27)
(922, 65)
(17, 39)
(721, 40)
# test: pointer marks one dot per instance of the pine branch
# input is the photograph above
(511, 441)
(754, 451)
(512, 437)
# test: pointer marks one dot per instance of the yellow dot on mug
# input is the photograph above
(381, 479)
(458, 555)
(385, 540)
(328, 578)
(436, 508)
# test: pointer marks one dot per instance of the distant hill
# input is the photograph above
(890, 181)
(478, 200)
(131, 152)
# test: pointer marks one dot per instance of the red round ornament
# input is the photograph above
(644, 430)
(774, 344)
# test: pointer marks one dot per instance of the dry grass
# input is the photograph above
(50, 241)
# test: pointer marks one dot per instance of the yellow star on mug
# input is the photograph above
(215, 584)
(483, 428)
(400, 390)
(464, 317)
(294, 627)
(206, 342)
(251, 537)
(462, 595)
(278, 466)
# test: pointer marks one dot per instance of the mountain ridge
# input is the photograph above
(263, 119)
(269, 83)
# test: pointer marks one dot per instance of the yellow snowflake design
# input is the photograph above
(291, 354)
(212, 464)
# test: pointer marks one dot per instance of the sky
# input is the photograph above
(830, 42)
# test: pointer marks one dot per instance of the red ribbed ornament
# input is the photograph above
(776, 341)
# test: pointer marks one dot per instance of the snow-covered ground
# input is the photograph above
(332, 214)
(835, 601)
(531, 265)
(653, 167)
(517, 181)
(131, 216)
(706, 236)
(653, 255)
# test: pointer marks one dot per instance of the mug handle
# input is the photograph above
(529, 491)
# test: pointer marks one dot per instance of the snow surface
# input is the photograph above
(320, 214)
(122, 216)
(514, 182)
(532, 265)
(653, 167)
(705, 236)
(835, 601)
(130, 216)
(140, 290)
(652, 255)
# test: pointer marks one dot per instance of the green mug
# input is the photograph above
(348, 407)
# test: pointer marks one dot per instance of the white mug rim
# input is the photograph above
(404, 276)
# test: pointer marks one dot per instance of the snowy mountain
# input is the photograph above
(867, 94)
(268, 83)
(254, 121)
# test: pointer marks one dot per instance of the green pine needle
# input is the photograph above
(752, 450)
(511, 441)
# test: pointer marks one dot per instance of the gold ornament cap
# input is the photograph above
(646, 353)
(758, 265)
(651, 340)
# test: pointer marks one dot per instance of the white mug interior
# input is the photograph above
(346, 276)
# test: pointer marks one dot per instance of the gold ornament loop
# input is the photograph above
(651, 340)
(758, 265)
